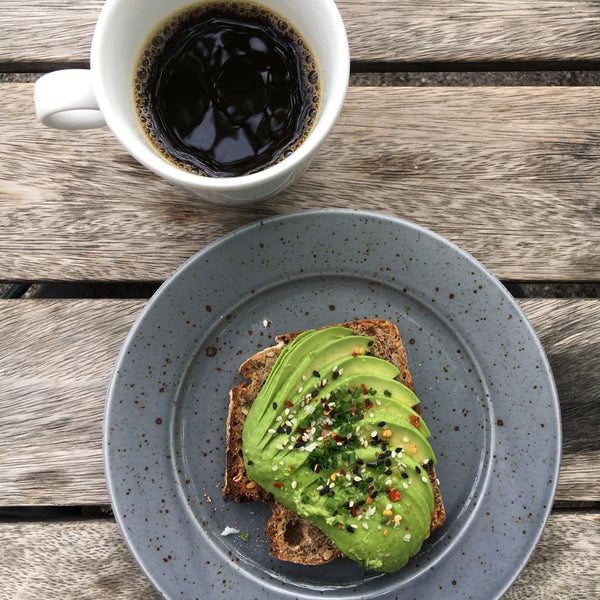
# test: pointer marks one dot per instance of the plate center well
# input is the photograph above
(453, 395)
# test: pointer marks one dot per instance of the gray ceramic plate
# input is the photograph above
(485, 385)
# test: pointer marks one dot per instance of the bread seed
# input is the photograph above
(250, 485)
(328, 554)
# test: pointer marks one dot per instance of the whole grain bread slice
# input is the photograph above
(291, 537)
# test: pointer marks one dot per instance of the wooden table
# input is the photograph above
(511, 174)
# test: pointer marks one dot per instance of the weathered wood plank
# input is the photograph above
(88, 559)
(49, 31)
(58, 356)
(510, 174)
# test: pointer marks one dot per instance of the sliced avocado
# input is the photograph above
(292, 355)
(299, 396)
(403, 415)
(333, 436)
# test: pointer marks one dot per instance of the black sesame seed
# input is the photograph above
(317, 374)
(405, 475)
(388, 471)
(334, 513)
(418, 470)
(369, 479)
(361, 503)
(336, 374)
(274, 405)
(388, 462)
(299, 444)
(323, 492)
(381, 424)
(314, 393)
(250, 462)
(370, 343)
(387, 393)
(349, 529)
(374, 494)
(331, 493)
(359, 461)
(281, 429)
(355, 470)
(288, 430)
(398, 450)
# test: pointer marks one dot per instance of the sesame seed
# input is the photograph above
(294, 485)
(407, 537)
(271, 431)
(365, 526)
(424, 479)
(405, 485)
(300, 389)
(274, 468)
(279, 446)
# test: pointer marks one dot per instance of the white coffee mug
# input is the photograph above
(104, 94)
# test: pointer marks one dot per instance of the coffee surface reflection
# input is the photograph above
(226, 90)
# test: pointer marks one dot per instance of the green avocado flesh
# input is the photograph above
(334, 437)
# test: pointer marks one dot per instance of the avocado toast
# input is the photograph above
(328, 430)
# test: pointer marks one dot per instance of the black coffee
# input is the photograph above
(226, 89)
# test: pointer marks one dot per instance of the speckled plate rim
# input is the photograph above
(554, 418)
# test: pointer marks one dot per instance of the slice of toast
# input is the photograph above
(291, 537)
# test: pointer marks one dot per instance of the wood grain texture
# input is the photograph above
(88, 559)
(510, 174)
(55, 367)
(392, 31)
(58, 356)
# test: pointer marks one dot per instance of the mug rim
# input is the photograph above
(125, 131)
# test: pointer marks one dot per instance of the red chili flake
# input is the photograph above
(339, 438)
(355, 511)
(278, 484)
(364, 388)
(368, 405)
(415, 421)
(394, 495)
(288, 403)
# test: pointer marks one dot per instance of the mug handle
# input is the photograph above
(66, 100)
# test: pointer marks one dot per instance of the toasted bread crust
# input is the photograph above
(291, 537)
